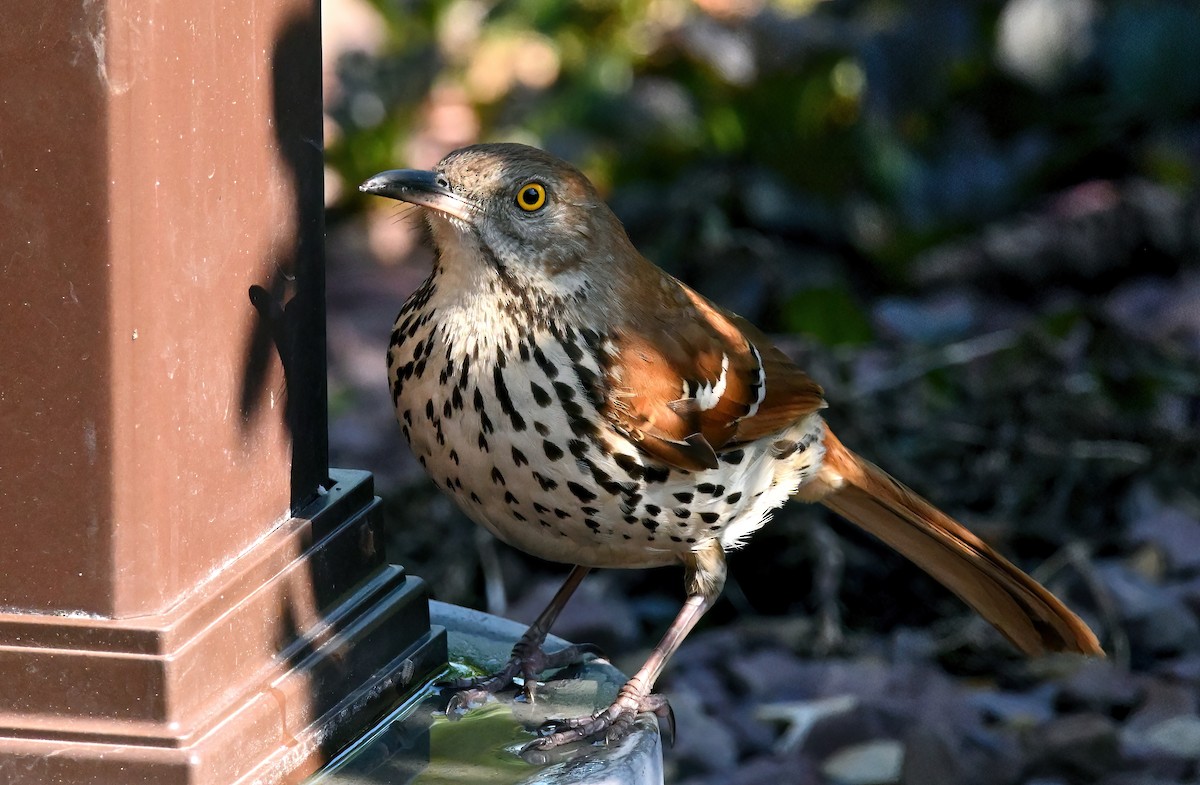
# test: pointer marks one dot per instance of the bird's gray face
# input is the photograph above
(515, 210)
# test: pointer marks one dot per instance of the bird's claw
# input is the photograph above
(667, 723)
(550, 727)
(463, 700)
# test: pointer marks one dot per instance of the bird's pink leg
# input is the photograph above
(705, 579)
(635, 697)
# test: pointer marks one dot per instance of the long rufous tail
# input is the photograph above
(1019, 607)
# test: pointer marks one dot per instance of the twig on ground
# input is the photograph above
(948, 356)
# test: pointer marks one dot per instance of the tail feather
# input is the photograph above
(1024, 611)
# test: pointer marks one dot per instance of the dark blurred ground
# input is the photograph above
(977, 224)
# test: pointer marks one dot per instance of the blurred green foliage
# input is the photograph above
(870, 130)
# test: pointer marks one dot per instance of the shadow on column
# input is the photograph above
(348, 581)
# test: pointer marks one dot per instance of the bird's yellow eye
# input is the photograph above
(531, 197)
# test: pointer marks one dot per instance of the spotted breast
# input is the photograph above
(518, 413)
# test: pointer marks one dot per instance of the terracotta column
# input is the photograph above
(187, 595)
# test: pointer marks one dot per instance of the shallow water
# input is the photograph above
(416, 743)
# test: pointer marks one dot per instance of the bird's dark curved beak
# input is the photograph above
(420, 187)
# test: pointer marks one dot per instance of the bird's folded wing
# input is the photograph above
(688, 379)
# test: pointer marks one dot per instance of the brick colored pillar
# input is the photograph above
(186, 594)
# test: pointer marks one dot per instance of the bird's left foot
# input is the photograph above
(527, 661)
(608, 725)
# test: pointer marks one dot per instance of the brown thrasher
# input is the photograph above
(588, 408)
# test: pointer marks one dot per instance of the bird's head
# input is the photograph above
(513, 211)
